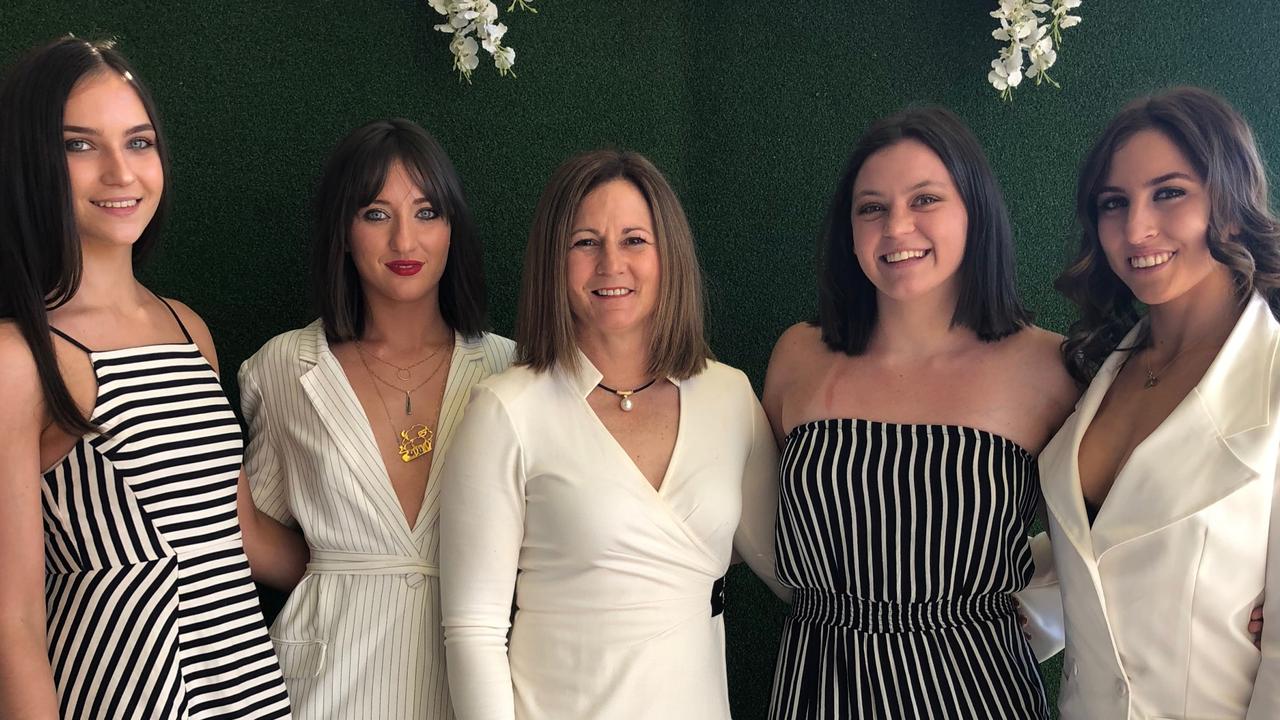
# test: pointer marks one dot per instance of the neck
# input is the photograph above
(917, 330)
(623, 359)
(107, 281)
(404, 328)
(1204, 314)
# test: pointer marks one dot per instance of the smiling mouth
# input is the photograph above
(404, 267)
(117, 204)
(904, 255)
(1142, 262)
(612, 292)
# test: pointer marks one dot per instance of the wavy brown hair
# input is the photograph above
(544, 323)
(1243, 233)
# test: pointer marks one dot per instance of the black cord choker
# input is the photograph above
(626, 403)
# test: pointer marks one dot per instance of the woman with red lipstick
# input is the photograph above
(351, 419)
(910, 415)
(126, 592)
(1162, 487)
(600, 483)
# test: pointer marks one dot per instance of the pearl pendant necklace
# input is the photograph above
(626, 403)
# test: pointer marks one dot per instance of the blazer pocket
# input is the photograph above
(300, 658)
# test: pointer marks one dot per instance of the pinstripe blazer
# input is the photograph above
(360, 636)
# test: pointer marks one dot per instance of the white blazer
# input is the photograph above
(1158, 592)
(360, 636)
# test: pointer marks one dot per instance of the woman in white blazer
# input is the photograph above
(350, 419)
(1162, 486)
(600, 483)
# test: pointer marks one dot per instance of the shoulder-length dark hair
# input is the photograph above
(544, 323)
(352, 178)
(1243, 233)
(988, 302)
(40, 259)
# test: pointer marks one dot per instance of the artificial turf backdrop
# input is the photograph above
(750, 107)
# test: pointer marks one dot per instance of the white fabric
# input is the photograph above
(360, 635)
(1158, 592)
(615, 578)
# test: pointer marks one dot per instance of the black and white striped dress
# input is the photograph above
(151, 612)
(903, 544)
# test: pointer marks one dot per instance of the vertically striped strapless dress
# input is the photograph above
(903, 544)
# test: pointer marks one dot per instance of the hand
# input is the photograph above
(1255, 626)
(1023, 621)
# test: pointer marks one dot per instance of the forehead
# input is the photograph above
(1146, 154)
(617, 197)
(903, 164)
(102, 100)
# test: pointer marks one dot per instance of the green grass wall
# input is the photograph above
(750, 107)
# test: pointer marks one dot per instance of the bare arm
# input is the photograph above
(277, 554)
(26, 680)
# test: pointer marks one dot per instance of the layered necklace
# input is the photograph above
(414, 441)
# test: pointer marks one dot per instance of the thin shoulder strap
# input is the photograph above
(70, 339)
(185, 334)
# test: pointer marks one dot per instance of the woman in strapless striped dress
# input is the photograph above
(909, 416)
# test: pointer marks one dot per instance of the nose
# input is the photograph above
(898, 222)
(608, 260)
(1140, 225)
(116, 169)
(401, 237)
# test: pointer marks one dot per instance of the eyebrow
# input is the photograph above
(1175, 175)
(419, 201)
(625, 230)
(913, 188)
(145, 127)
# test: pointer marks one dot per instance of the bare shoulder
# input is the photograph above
(199, 331)
(795, 350)
(1039, 352)
(19, 379)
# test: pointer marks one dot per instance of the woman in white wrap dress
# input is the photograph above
(600, 484)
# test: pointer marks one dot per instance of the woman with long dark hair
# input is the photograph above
(126, 590)
(1162, 491)
(910, 416)
(350, 419)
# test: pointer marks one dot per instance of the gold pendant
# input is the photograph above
(417, 445)
(1151, 382)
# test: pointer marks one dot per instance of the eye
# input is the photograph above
(634, 240)
(585, 242)
(141, 143)
(1169, 193)
(375, 215)
(868, 208)
(927, 200)
(77, 145)
(1107, 203)
(427, 213)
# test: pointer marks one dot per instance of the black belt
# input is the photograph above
(717, 597)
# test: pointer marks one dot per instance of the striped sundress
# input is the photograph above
(903, 544)
(151, 612)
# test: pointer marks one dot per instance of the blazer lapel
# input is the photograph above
(1205, 449)
(328, 389)
(466, 368)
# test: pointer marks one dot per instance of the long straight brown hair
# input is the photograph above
(544, 322)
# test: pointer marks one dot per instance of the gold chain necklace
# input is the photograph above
(414, 441)
(403, 373)
(1153, 377)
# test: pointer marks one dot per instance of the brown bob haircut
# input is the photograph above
(1243, 232)
(352, 178)
(544, 323)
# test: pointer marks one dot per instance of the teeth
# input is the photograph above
(1146, 261)
(115, 203)
(611, 292)
(904, 255)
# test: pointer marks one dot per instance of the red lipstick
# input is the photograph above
(404, 267)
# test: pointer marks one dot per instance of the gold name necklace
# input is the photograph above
(414, 441)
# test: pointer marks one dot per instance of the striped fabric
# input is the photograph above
(151, 612)
(360, 636)
(903, 544)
